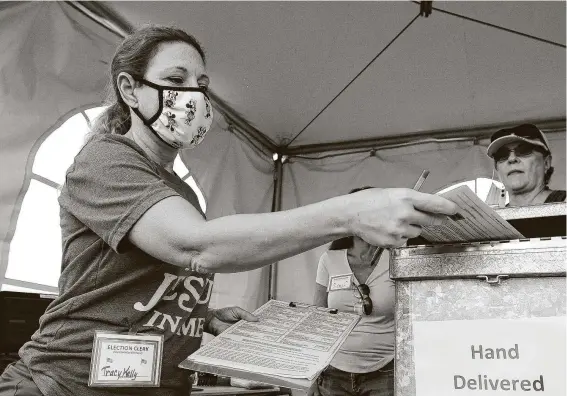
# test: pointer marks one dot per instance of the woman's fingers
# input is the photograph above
(419, 218)
(388, 217)
(432, 203)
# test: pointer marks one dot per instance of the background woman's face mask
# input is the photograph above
(183, 117)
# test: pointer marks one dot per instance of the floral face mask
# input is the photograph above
(183, 117)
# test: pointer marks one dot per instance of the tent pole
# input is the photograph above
(104, 15)
(548, 125)
(276, 207)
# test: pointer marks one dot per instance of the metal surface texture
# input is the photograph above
(467, 299)
(532, 212)
(519, 258)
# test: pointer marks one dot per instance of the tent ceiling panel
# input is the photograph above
(545, 19)
(446, 73)
(279, 63)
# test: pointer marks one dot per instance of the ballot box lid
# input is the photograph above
(529, 257)
(538, 220)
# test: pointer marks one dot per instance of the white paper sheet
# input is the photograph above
(490, 357)
(293, 342)
(479, 221)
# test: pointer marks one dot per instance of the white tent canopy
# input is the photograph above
(280, 63)
(372, 81)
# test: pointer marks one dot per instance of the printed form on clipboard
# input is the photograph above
(475, 221)
(289, 346)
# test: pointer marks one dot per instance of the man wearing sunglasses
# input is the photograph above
(522, 160)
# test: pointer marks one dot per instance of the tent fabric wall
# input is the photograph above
(235, 178)
(53, 64)
(55, 61)
(57, 64)
(307, 180)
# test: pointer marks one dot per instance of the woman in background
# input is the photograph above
(522, 160)
(364, 365)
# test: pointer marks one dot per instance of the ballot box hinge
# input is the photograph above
(493, 279)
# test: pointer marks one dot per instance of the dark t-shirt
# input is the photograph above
(107, 283)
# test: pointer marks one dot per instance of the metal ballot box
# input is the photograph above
(484, 316)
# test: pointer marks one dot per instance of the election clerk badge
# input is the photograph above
(126, 360)
(340, 282)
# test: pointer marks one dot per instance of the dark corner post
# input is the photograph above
(279, 160)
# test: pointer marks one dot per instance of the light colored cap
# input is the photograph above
(527, 133)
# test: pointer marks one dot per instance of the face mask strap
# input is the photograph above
(160, 101)
(150, 121)
(161, 88)
(149, 125)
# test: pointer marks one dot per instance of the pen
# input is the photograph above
(378, 252)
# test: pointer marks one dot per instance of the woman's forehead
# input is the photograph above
(176, 56)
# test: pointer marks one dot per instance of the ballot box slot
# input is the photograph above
(487, 277)
(527, 257)
(549, 210)
(546, 220)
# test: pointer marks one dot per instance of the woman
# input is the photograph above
(365, 363)
(139, 256)
(522, 160)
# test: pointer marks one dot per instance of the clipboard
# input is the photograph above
(332, 311)
(289, 346)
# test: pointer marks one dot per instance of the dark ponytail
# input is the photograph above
(115, 119)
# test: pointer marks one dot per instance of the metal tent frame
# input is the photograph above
(114, 22)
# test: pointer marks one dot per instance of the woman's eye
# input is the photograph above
(175, 80)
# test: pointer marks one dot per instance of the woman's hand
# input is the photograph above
(389, 217)
(218, 320)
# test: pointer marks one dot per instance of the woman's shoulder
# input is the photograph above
(103, 150)
(333, 253)
(109, 143)
(332, 258)
(105, 157)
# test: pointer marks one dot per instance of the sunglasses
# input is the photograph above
(364, 292)
(521, 150)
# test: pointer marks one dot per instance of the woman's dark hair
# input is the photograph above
(549, 171)
(347, 242)
(547, 176)
(133, 56)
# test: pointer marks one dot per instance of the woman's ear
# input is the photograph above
(126, 86)
(547, 162)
